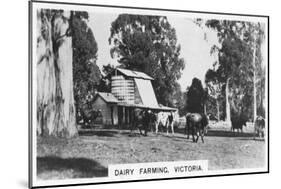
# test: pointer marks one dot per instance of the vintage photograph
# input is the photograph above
(124, 94)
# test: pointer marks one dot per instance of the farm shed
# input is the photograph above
(133, 88)
(106, 103)
(129, 90)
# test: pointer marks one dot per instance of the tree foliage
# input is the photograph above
(104, 85)
(238, 41)
(148, 44)
(86, 73)
(196, 96)
(215, 96)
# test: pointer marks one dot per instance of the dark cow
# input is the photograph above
(140, 120)
(196, 123)
(154, 121)
(259, 127)
(88, 115)
(237, 122)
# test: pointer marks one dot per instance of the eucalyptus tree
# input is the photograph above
(148, 44)
(55, 100)
(86, 73)
(66, 69)
(239, 54)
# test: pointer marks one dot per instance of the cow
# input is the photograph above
(88, 115)
(154, 121)
(140, 120)
(170, 123)
(259, 127)
(196, 123)
(237, 122)
(160, 120)
(163, 119)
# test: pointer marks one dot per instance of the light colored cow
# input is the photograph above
(165, 119)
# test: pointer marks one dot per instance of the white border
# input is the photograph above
(56, 5)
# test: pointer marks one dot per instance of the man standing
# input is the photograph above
(170, 123)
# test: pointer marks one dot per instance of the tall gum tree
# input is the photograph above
(254, 35)
(239, 64)
(55, 101)
(149, 44)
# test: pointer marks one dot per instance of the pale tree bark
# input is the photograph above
(218, 109)
(254, 81)
(55, 101)
(205, 109)
(228, 116)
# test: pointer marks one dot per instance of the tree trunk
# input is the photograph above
(205, 108)
(55, 101)
(254, 83)
(218, 109)
(227, 117)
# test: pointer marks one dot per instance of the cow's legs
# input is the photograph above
(193, 130)
(133, 128)
(187, 131)
(190, 130)
(156, 127)
(260, 134)
(140, 126)
(202, 135)
(146, 125)
(197, 135)
(140, 130)
(171, 125)
(167, 124)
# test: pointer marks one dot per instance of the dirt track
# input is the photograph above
(90, 153)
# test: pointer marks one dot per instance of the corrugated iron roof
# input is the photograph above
(158, 108)
(108, 97)
(146, 92)
(135, 74)
(167, 108)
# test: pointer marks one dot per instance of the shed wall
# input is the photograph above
(108, 111)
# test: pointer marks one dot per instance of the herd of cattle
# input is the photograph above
(196, 123)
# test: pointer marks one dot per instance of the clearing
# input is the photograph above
(89, 154)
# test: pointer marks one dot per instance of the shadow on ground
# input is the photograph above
(81, 167)
(253, 139)
(109, 133)
(217, 133)
(105, 133)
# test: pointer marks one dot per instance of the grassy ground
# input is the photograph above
(89, 154)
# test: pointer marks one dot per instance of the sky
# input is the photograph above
(195, 44)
